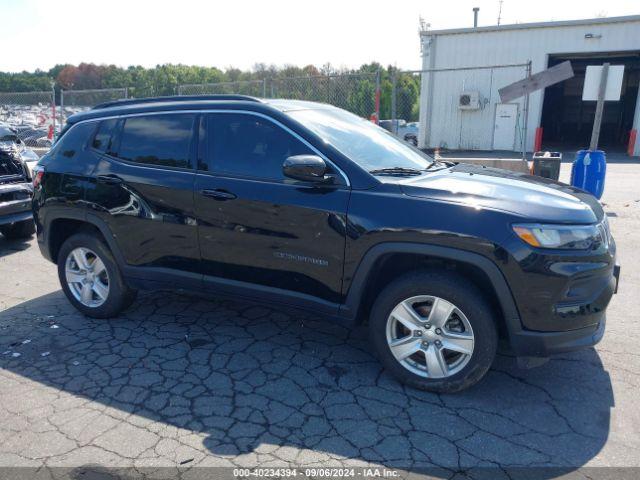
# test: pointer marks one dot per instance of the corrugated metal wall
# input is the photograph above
(458, 129)
(442, 124)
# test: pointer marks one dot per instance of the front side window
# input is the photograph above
(157, 140)
(247, 145)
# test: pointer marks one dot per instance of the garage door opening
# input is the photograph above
(567, 121)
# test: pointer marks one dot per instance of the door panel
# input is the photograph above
(150, 213)
(274, 233)
(147, 204)
(504, 134)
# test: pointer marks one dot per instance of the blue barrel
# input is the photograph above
(588, 171)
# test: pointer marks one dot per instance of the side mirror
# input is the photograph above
(308, 168)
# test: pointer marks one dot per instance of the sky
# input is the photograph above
(241, 33)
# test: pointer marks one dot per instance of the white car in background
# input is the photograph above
(399, 127)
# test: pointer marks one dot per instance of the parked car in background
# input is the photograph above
(410, 133)
(307, 205)
(32, 136)
(400, 128)
(16, 219)
(10, 137)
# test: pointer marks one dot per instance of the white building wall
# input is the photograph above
(444, 125)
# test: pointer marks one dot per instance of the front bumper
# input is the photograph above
(545, 344)
(15, 202)
(527, 343)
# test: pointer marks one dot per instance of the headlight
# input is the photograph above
(570, 237)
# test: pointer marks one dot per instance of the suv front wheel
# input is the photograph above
(90, 277)
(434, 331)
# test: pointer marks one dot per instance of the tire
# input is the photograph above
(118, 295)
(24, 229)
(469, 324)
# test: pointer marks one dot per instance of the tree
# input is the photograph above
(353, 89)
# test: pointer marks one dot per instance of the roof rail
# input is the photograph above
(173, 98)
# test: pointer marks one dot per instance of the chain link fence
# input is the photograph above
(447, 109)
(31, 114)
(353, 92)
(254, 88)
(74, 101)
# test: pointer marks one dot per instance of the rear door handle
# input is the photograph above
(219, 194)
(109, 179)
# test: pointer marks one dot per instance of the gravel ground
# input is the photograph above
(182, 381)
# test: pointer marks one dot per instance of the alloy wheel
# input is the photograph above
(87, 277)
(430, 336)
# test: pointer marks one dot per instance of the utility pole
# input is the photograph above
(53, 108)
(597, 122)
(526, 117)
(500, 11)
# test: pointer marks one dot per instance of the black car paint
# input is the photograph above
(314, 245)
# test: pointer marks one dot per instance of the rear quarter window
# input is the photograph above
(73, 141)
(104, 135)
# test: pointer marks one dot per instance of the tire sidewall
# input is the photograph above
(464, 296)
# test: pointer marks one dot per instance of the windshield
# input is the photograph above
(370, 146)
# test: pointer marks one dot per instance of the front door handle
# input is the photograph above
(219, 194)
(109, 179)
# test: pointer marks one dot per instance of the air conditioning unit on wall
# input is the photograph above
(469, 100)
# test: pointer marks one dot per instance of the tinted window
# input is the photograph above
(202, 143)
(247, 145)
(368, 145)
(157, 140)
(74, 140)
(102, 140)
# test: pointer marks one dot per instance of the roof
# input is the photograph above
(179, 103)
(526, 26)
(173, 98)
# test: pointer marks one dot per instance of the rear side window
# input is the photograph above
(74, 140)
(102, 139)
(157, 140)
(247, 145)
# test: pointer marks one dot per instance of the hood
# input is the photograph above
(534, 198)
(11, 166)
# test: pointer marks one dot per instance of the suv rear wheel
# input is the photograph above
(90, 277)
(18, 230)
(434, 331)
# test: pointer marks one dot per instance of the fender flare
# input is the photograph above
(90, 219)
(491, 270)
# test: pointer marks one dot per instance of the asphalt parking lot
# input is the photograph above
(183, 381)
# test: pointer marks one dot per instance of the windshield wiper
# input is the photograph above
(402, 171)
(439, 165)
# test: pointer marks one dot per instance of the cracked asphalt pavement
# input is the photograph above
(182, 380)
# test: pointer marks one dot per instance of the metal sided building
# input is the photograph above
(460, 108)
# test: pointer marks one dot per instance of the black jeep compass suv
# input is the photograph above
(307, 205)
